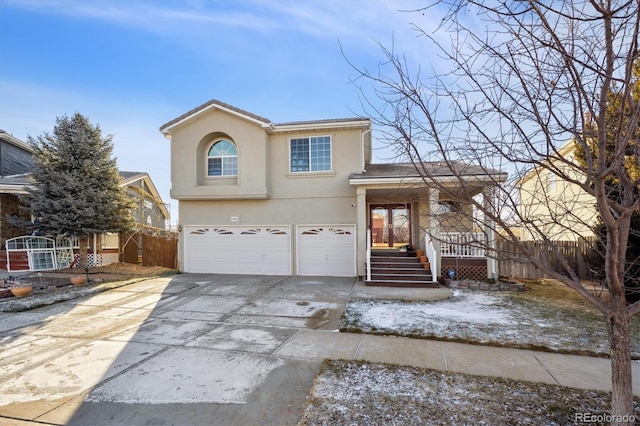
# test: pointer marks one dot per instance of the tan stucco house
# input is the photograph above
(554, 206)
(302, 198)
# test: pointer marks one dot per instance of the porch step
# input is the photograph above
(401, 277)
(403, 284)
(392, 253)
(399, 270)
(391, 264)
(397, 259)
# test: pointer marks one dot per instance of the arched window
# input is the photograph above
(222, 159)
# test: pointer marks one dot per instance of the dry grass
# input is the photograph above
(548, 316)
(360, 393)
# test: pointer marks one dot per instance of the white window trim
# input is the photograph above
(206, 160)
(308, 173)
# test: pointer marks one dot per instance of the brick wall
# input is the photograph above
(9, 205)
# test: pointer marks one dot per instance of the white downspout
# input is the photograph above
(362, 148)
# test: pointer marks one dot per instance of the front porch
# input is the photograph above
(396, 207)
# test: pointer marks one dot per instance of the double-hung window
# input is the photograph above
(310, 154)
(222, 159)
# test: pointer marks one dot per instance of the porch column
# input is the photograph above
(489, 200)
(361, 230)
(433, 229)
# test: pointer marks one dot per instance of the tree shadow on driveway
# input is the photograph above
(187, 349)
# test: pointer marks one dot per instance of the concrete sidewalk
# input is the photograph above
(201, 349)
(566, 370)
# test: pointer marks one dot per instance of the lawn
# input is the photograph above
(548, 316)
(360, 393)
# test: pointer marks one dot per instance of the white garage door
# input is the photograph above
(262, 250)
(326, 250)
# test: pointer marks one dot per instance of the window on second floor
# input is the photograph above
(222, 159)
(310, 154)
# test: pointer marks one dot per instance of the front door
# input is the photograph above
(390, 225)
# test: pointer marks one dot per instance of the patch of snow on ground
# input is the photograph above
(481, 317)
(472, 307)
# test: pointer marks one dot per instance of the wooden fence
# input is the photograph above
(517, 266)
(150, 250)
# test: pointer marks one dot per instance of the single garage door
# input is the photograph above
(261, 250)
(326, 250)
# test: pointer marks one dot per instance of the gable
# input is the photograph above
(213, 105)
(15, 156)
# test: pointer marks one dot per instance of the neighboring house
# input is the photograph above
(299, 198)
(15, 164)
(560, 209)
(151, 214)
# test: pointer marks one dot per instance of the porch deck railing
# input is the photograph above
(431, 255)
(368, 255)
(462, 244)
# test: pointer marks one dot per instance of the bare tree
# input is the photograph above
(514, 82)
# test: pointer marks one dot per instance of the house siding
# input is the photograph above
(14, 160)
(189, 146)
(563, 212)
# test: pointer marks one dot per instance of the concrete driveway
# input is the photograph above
(191, 349)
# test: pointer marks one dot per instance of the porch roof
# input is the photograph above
(14, 184)
(415, 173)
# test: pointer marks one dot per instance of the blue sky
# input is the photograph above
(131, 66)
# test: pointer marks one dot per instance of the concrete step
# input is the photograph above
(404, 284)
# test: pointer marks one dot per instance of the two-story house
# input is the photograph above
(300, 198)
(15, 164)
(553, 206)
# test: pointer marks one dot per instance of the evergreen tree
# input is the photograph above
(619, 117)
(76, 190)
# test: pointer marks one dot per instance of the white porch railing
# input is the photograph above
(368, 254)
(431, 256)
(462, 244)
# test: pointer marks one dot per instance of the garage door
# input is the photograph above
(262, 250)
(326, 250)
